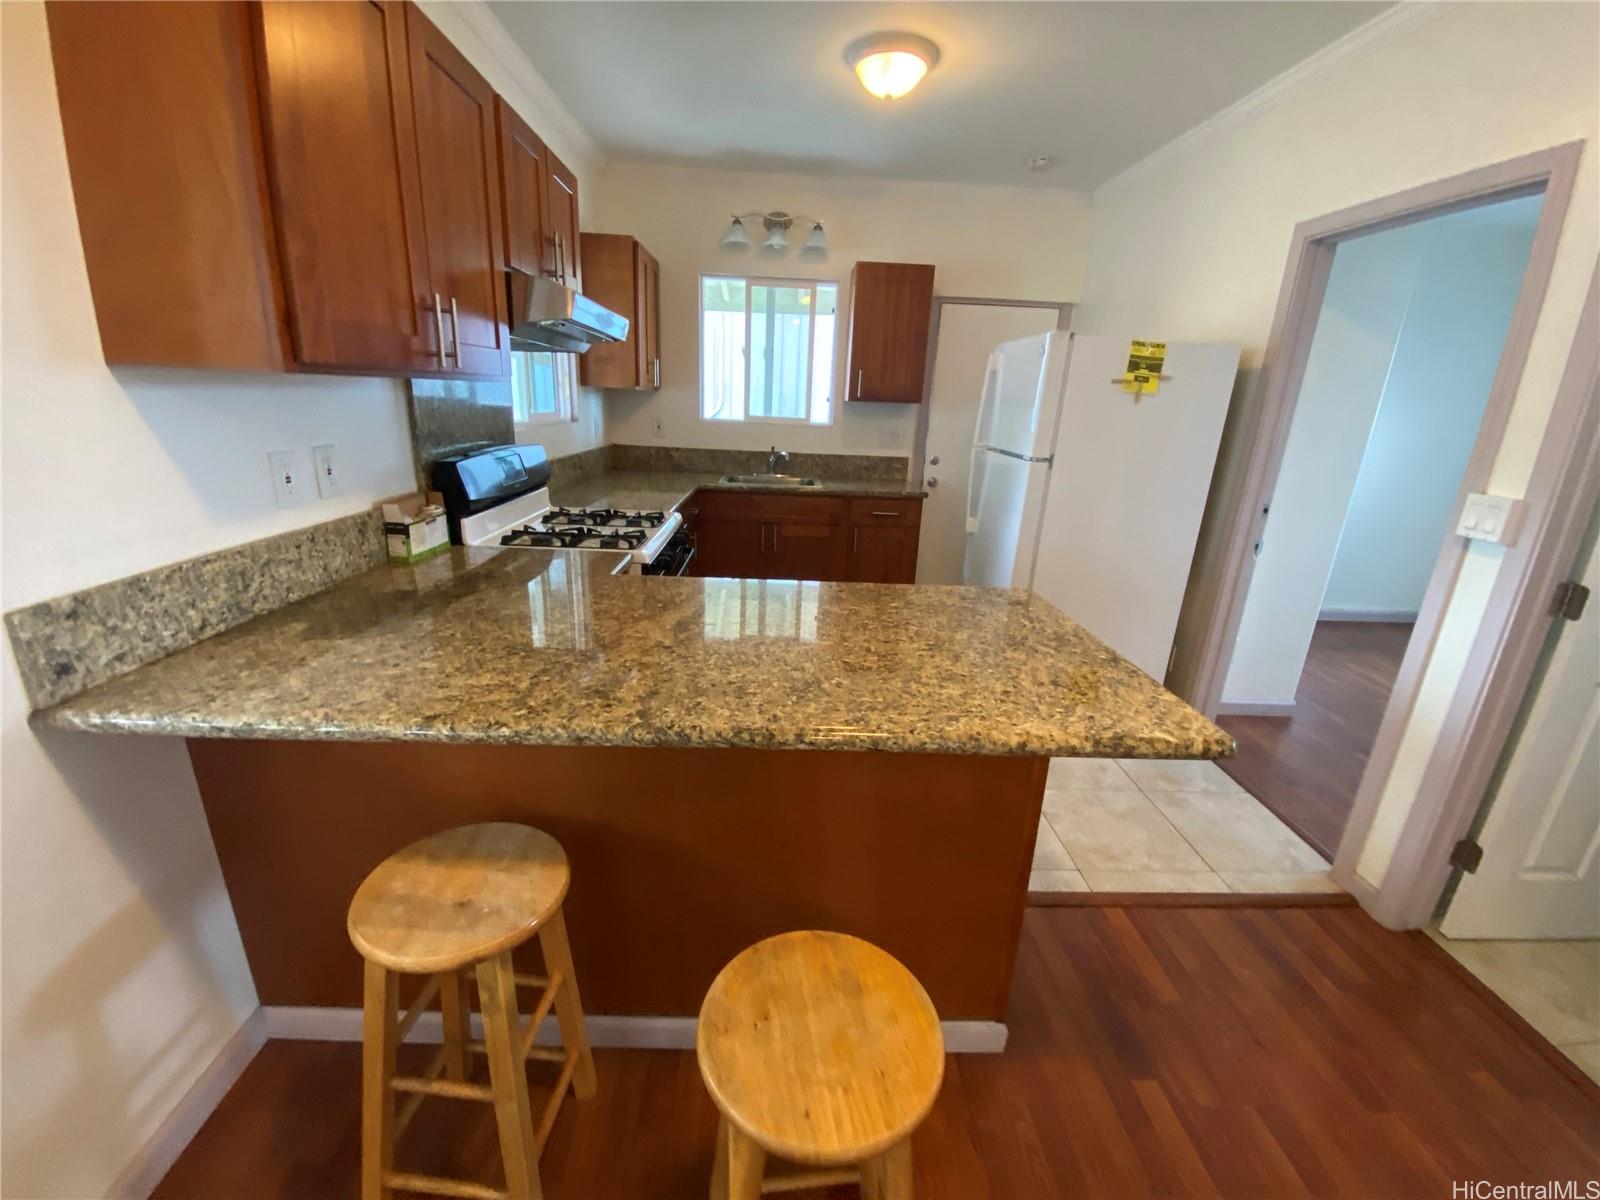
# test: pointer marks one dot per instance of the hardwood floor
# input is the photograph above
(1306, 768)
(1154, 1052)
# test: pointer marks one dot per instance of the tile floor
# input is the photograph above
(1554, 986)
(1145, 826)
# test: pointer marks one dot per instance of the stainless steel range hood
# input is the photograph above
(546, 315)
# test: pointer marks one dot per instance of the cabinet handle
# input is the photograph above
(859, 373)
(438, 328)
(561, 258)
(880, 512)
(855, 539)
(655, 373)
(455, 331)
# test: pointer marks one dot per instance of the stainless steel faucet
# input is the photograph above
(774, 458)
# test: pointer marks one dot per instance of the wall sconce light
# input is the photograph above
(776, 226)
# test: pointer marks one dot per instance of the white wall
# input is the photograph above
(123, 973)
(1365, 305)
(1011, 243)
(1444, 365)
(1194, 241)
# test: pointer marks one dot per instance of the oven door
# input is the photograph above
(674, 558)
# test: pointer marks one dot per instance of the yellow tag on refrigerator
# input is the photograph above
(1145, 360)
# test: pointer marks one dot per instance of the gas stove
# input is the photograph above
(497, 498)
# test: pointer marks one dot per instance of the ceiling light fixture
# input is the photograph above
(777, 226)
(890, 64)
(1041, 162)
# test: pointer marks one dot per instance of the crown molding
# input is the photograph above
(1382, 31)
(552, 115)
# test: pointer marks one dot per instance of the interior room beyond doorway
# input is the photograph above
(1400, 368)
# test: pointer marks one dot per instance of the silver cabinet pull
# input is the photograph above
(438, 328)
(859, 373)
(455, 330)
(881, 512)
(655, 373)
(561, 258)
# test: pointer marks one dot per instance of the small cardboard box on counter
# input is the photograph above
(414, 527)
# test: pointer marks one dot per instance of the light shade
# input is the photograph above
(736, 235)
(817, 243)
(777, 239)
(890, 64)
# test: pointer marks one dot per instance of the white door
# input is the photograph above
(1538, 877)
(967, 334)
(1127, 491)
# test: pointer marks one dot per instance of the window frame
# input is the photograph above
(566, 396)
(811, 346)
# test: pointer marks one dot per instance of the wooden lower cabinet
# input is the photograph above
(829, 538)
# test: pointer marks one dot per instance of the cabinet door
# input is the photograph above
(807, 551)
(883, 553)
(613, 262)
(731, 549)
(647, 306)
(562, 187)
(458, 155)
(524, 194)
(891, 305)
(341, 155)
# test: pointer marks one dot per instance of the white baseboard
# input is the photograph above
(305, 1023)
(1256, 708)
(139, 1177)
(1382, 616)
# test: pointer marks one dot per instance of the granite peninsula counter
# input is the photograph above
(695, 744)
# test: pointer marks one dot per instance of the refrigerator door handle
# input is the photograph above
(973, 497)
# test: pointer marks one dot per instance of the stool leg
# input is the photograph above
(508, 1077)
(888, 1176)
(378, 1022)
(569, 1008)
(454, 1012)
(740, 1164)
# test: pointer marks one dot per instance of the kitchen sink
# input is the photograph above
(764, 480)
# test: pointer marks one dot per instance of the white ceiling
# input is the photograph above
(1095, 85)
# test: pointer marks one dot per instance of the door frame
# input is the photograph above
(919, 441)
(1245, 503)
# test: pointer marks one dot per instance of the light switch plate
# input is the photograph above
(286, 481)
(323, 465)
(1488, 518)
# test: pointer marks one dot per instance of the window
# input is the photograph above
(541, 387)
(766, 349)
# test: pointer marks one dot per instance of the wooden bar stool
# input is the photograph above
(821, 1049)
(465, 899)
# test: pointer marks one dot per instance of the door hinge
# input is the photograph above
(1569, 600)
(1466, 854)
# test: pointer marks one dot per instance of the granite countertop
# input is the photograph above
(666, 490)
(549, 648)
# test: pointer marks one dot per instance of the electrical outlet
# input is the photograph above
(285, 477)
(327, 476)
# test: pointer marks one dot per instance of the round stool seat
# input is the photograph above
(820, 1047)
(458, 897)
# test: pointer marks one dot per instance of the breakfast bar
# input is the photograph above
(722, 759)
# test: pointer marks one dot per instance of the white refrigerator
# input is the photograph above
(1091, 495)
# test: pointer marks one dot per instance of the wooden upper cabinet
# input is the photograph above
(524, 194)
(458, 155)
(624, 276)
(159, 109)
(891, 305)
(340, 146)
(565, 242)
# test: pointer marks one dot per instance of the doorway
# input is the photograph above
(1400, 367)
(965, 332)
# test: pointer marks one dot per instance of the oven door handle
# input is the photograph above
(683, 566)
